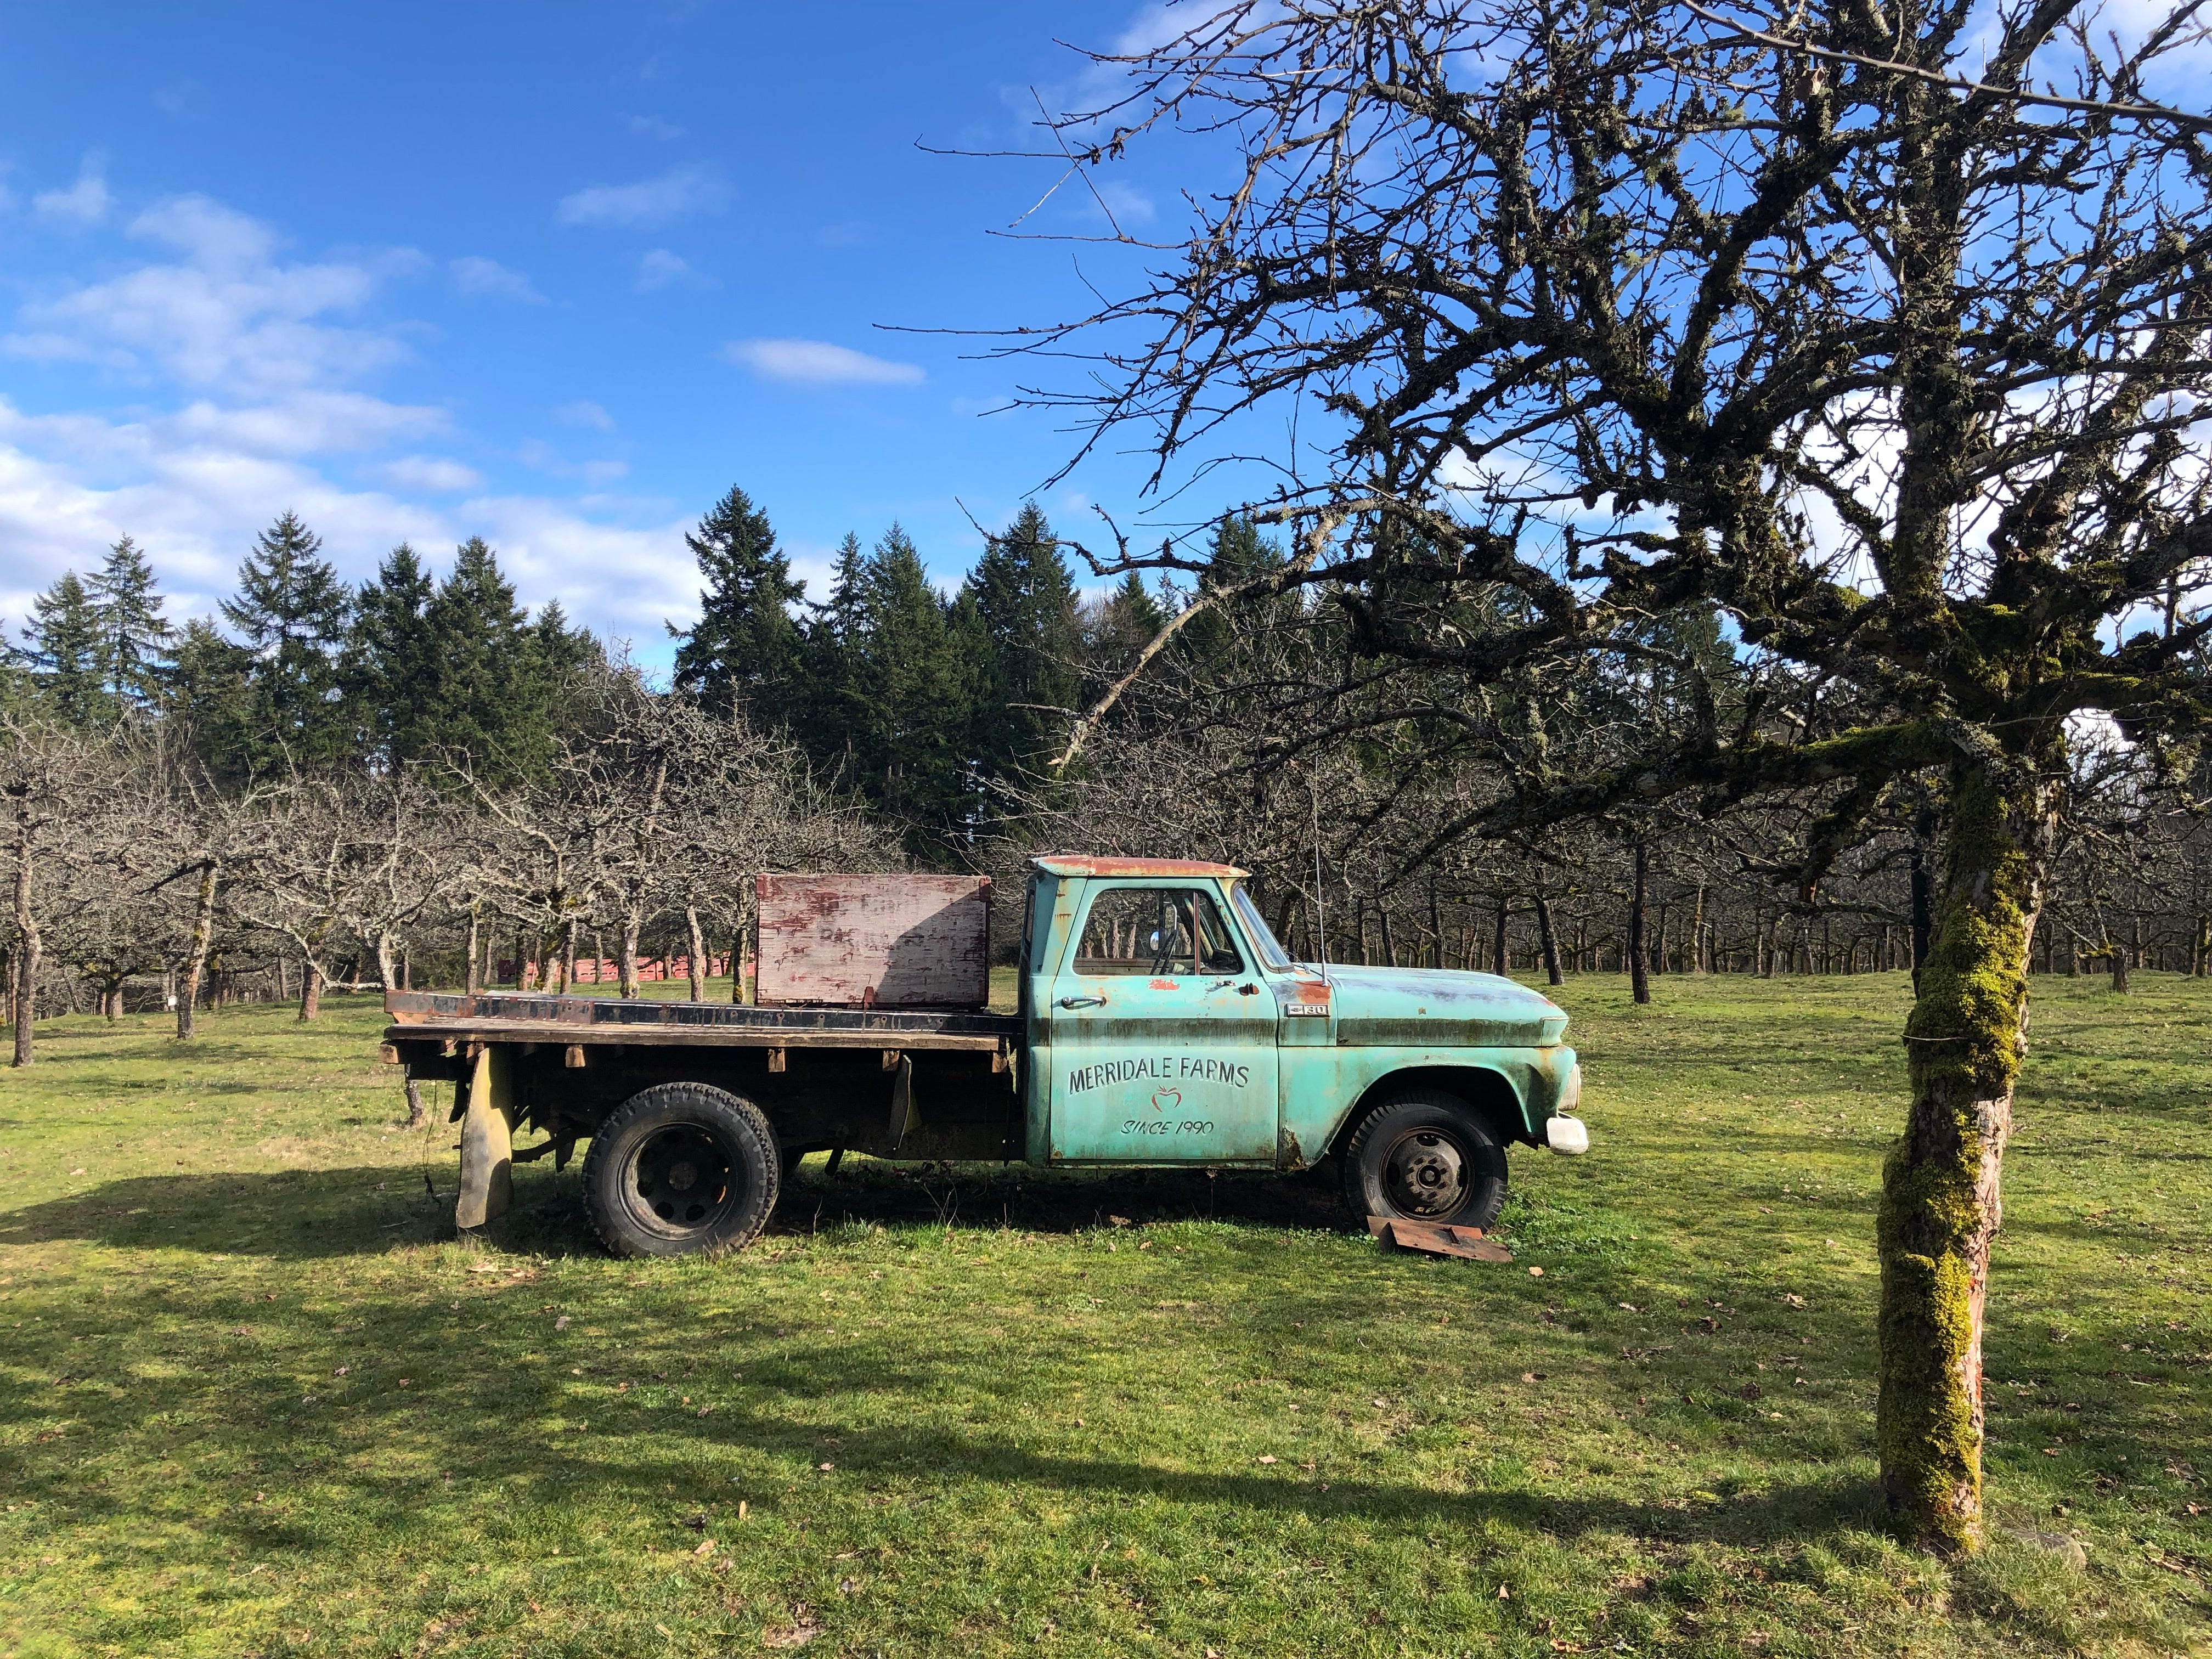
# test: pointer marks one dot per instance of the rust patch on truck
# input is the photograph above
(1076, 865)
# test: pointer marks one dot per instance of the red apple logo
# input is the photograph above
(1165, 1099)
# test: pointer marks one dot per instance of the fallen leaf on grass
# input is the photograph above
(1267, 1460)
(562, 1323)
(1536, 1273)
(1119, 1220)
(1504, 1594)
(706, 1548)
(790, 1636)
(825, 1465)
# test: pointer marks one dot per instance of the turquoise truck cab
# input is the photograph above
(1164, 1024)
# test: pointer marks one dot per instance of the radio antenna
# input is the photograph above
(1321, 910)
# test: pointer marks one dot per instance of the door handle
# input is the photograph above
(1083, 1002)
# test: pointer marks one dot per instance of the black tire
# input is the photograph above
(681, 1167)
(1424, 1155)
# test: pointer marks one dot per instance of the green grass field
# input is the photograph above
(256, 1400)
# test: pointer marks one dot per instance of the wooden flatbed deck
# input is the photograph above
(495, 1017)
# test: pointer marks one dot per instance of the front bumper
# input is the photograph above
(1565, 1132)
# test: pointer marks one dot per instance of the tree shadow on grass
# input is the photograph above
(302, 1214)
(286, 1214)
(1026, 1199)
(476, 1412)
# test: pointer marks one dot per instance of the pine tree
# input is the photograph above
(1127, 621)
(911, 744)
(390, 663)
(831, 696)
(134, 635)
(1237, 552)
(207, 688)
(485, 676)
(62, 649)
(290, 612)
(744, 651)
(1031, 636)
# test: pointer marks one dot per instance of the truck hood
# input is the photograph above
(1430, 1007)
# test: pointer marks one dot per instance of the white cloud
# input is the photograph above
(652, 126)
(227, 317)
(659, 268)
(249, 382)
(433, 474)
(474, 274)
(70, 486)
(817, 362)
(1129, 204)
(212, 234)
(540, 456)
(583, 412)
(85, 203)
(674, 195)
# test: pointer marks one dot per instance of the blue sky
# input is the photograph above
(557, 275)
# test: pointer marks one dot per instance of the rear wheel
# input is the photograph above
(1424, 1155)
(678, 1168)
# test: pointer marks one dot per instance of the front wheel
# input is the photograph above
(678, 1168)
(1424, 1155)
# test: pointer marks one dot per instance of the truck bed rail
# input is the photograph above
(521, 1018)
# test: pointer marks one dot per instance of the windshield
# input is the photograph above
(1263, 936)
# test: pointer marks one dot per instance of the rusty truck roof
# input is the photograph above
(1081, 864)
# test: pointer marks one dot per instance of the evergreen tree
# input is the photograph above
(744, 648)
(563, 652)
(1127, 621)
(134, 635)
(390, 663)
(1032, 643)
(290, 612)
(208, 688)
(487, 685)
(909, 742)
(1237, 552)
(831, 694)
(62, 649)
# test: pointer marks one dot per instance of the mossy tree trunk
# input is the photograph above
(1940, 1202)
(196, 959)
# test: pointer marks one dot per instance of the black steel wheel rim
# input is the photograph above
(1425, 1172)
(680, 1181)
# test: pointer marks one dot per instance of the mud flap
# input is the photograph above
(486, 1141)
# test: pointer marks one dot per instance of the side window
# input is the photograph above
(1155, 930)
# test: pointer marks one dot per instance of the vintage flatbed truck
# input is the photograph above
(1159, 1022)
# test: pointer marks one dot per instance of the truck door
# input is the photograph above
(1163, 1035)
